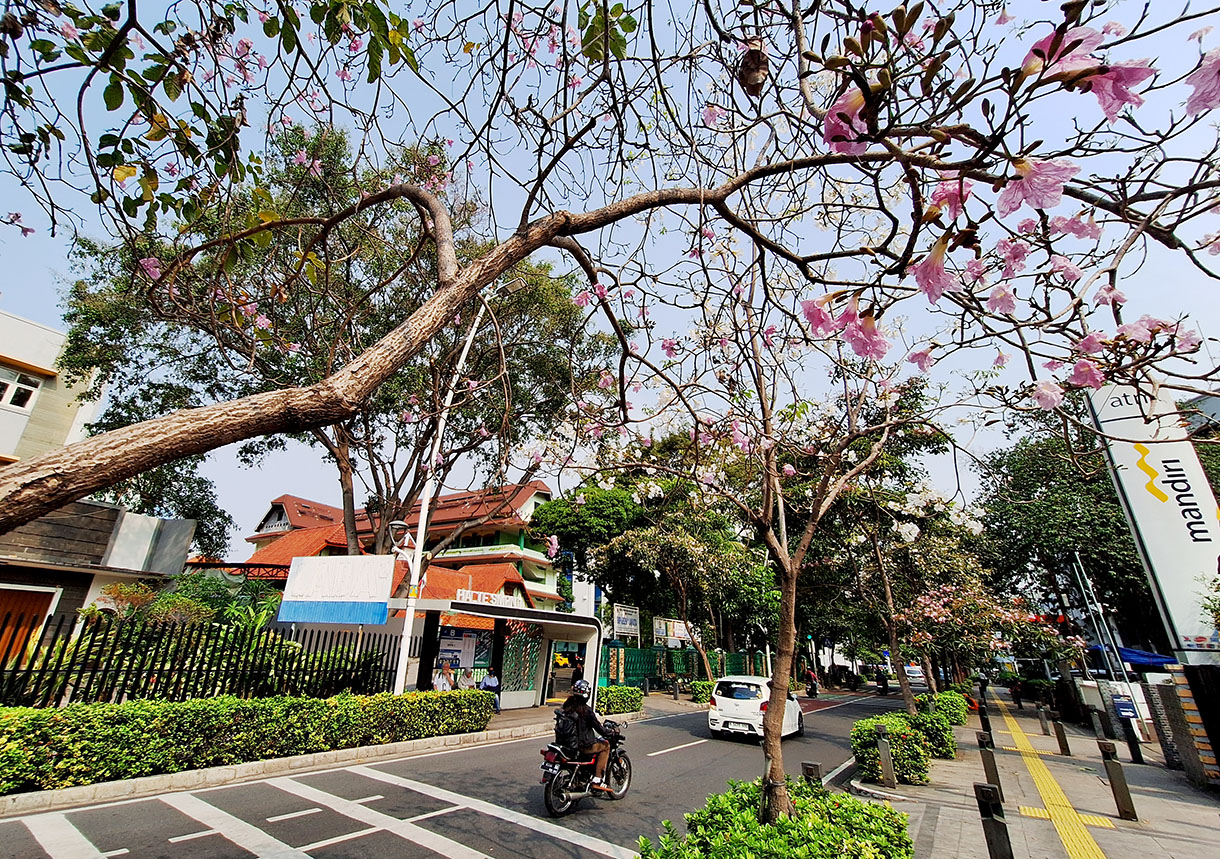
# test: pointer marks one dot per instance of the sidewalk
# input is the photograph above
(1056, 806)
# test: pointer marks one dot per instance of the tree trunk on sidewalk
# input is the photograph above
(775, 800)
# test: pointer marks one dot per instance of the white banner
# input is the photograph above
(1170, 508)
(627, 620)
(338, 589)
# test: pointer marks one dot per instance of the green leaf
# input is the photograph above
(271, 27)
(113, 95)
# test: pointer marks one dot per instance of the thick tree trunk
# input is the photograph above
(775, 799)
(929, 673)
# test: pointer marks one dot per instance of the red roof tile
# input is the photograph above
(303, 513)
(302, 543)
(452, 510)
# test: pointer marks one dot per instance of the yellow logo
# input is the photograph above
(1142, 465)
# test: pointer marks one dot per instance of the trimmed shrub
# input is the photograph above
(44, 749)
(938, 732)
(619, 699)
(909, 748)
(824, 826)
(701, 691)
(953, 706)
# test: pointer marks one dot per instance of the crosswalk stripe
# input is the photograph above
(235, 829)
(56, 834)
(402, 828)
(545, 827)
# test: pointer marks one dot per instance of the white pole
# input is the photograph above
(415, 561)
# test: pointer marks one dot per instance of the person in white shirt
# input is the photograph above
(466, 679)
(442, 681)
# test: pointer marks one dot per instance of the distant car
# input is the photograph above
(739, 703)
(561, 661)
(915, 675)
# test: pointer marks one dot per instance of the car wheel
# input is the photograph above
(716, 735)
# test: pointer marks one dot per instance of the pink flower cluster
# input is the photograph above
(859, 331)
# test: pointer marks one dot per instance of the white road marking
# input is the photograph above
(339, 839)
(122, 851)
(402, 828)
(675, 748)
(365, 799)
(436, 813)
(245, 835)
(305, 812)
(543, 827)
(56, 834)
(178, 839)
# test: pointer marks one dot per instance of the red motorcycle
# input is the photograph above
(567, 773)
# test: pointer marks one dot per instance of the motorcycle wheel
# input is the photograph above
(618, 775)
(555, 794)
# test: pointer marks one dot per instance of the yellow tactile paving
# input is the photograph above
(1089, 819)
(1077, 841)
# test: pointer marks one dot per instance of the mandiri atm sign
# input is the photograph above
(1169, 504)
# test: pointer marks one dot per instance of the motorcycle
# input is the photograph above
(567, 773)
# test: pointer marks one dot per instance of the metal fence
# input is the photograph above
(111, 659)
(630, 666)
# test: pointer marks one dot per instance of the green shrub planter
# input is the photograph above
(45, 749)
(938, 732)
(909, 749)
(953, 706)
(701, 691)
(619, 699)
(823, 826)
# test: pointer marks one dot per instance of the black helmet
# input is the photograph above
(582, 688)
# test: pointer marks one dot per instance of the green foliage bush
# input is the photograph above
(701, 691)
(619, 699)
(938, 732)
(952, 705)
(44, 749)
(824, 826)
(909, 748)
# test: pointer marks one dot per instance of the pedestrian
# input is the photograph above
(578, 670)
(491, 683)
(466, 680)
(442, 681)
(883, 680)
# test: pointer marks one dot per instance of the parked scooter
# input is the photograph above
(567, 773)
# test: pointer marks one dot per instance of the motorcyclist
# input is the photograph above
(590, 732)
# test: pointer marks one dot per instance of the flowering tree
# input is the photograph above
(758, 194)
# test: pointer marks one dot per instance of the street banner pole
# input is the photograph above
(1169, 505)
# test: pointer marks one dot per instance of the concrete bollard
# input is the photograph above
(644, 687)
(1095, 717)
(987, 752)
(1060, 735)
(675, 687)
(885, 758)
(811, 771)
(995, 828)
(1133, 742)
(1043, 721)
(1118, 781)
(984, 719)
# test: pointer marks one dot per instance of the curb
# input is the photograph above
(67, 797)
(858, 787)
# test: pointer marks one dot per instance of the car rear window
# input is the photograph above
(737, 691)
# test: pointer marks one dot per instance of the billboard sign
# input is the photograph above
(338, 589)
(1169, 504)
(627, 620)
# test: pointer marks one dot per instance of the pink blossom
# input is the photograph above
(1053, 365)
(355, 45)
(1047, 395)
(976, 272)
(407, 417)
(1069, 57)
(262, 322)
(708, 233)
(1029, 225)
(1113, 86)
(68, 31)
(818, 317)
(301, 157)
(433, 160)
(1014, 252)
(789, 469)
(712, 115)
(1206, 83)
(243, 47)
(418, 25)
(294, 348)
(1137, 332)
(1000, 360)
(1090, 344)
(262, 17)
(952, 194)
(1212, 243)
(1038, 183)
(1113, 28)
(1086, 374)
(1065, 267)
(605, 380)
(670, 347)
(344, 74)
(552, 546)
(769, 336)
(921, 359)
(930, 273)
(582, 298)
(315, 167)
(151, 265)
(1197, 35)
(843, 125)
(865, 339)
(1186, 340)
(1075, 225)
(1004, 17)
(1109, 295)
(1002, 300)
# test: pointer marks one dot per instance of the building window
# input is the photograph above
(18, 390)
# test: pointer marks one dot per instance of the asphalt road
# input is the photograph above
(473, 802)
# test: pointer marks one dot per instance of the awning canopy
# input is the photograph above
(1140, 657)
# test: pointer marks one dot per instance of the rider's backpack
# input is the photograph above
(567, 729)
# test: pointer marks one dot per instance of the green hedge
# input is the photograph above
(823, 826)
(619, 699)
(701, 691)
(44, 749)
(938, 732)
(953, 706)
(909, 748)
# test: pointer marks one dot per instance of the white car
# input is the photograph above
(915, 675)
(739, 703)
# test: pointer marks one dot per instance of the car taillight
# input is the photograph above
(713, 702)
(763, 707)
